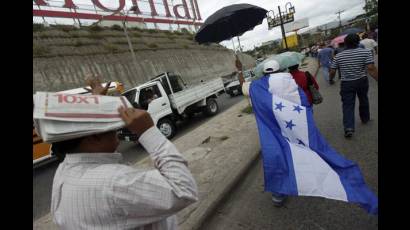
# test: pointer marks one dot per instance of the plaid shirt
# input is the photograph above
(95, 191)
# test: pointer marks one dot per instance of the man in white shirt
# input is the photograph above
(93, 190)
(369, 43)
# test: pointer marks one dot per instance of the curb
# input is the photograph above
(232, 184)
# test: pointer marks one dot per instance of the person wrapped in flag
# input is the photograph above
(297, 160)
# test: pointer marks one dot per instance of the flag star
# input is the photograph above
(279, 106)
(300, 142)
(287, 138)
(297, 108)
(289, 124)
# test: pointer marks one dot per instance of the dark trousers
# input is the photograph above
(348, 91)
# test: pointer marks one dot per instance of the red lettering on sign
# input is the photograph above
(74, 99)
(60, 98)
(83, 99)
(187, 14)
(168, 13)
(185, 7)
(69, 4)
(70, 99)
(153, 10)
(136, 9)
(99, 5)
(197, 10)
(40, 2)
(95, 99)
(193, 9)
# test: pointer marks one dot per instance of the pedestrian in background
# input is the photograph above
(353, 63)
(270, 69)
(301, 80)
(369, 43)
(324, 59)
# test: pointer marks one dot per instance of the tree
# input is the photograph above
(371, 7)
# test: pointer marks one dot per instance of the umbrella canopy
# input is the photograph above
(352, 30)
(230, 21)
(285, 60)
(337, 40)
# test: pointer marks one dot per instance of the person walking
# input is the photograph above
(369, 43)
(353, 63)
(270, 69)
(301, 80)
(325, 57)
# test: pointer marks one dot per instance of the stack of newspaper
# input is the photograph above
(59, 117)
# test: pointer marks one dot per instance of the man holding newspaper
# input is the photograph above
(91, 189)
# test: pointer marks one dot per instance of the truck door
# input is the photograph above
(154, 99)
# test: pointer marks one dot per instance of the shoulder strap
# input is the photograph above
(309, 78)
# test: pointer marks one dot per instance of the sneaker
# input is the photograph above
(278, 201)
(365, 121)
(349, 133)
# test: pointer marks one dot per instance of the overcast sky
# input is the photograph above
(318, 12)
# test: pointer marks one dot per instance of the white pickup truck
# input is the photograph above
(233, 88)
(168, 99)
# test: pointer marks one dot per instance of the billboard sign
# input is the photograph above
(275, 21)
(296, 25)
(154, 11)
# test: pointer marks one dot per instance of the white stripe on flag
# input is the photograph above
(314, 177)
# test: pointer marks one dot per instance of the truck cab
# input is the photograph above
(168, 99)
(233, 88)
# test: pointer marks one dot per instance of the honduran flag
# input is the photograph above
(297, 160)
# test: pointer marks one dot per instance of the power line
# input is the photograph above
(340, 21)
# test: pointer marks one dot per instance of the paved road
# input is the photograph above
(249, 207)
(43, 177)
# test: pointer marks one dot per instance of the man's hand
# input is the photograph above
(332, 74)
(96, 87)
(372, 70)
(136, 121)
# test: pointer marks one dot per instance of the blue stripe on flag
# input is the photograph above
(349, 172)
(277, 157)
(279, 173)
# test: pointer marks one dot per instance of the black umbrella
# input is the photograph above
(230, 21)
(352, 30)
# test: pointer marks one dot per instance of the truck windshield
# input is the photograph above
(130, 95)
(176, 82)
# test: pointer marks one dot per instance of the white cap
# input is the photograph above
(271, 66)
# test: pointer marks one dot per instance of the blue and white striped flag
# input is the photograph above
(297, 160)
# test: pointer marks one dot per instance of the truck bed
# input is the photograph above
(191, 95)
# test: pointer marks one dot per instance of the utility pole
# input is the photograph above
(340, 21)
(283, 30)
(239, 42)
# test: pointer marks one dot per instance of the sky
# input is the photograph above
(318, 12)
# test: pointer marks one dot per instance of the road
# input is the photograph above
(249, 207)
(132, 153)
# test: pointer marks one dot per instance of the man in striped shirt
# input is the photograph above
(353, 63)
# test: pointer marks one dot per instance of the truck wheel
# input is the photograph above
(232, 94)
(211, 107)
(167, 127)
